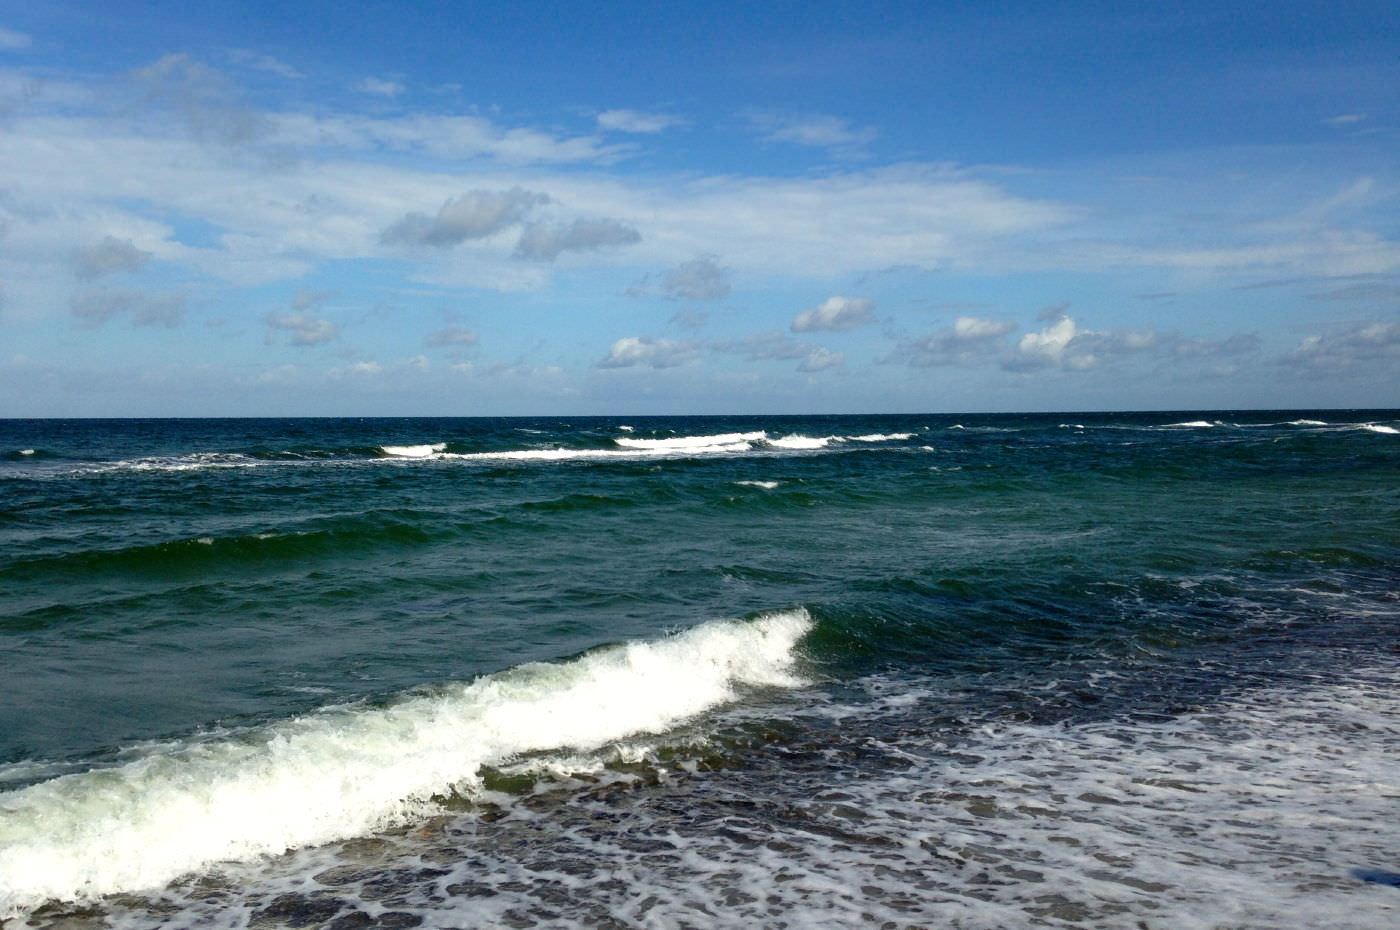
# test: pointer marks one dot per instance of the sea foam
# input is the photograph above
(413, 452)
(721, 442)
(349, 770)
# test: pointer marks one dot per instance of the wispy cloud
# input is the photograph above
(474, 215)
(258, 61)
(12, 41)
(144, 308)
(832, 133)
(210, 106)
(380, 87)
(635, 121)
(545, 241)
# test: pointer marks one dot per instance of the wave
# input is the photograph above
(879, 437)
(1379, 428)
(801, 442)
(766, 485)
(1191, 424)
(350, 770)
(413, 452)
(723, 441)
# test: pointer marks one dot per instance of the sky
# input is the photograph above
(537, 208)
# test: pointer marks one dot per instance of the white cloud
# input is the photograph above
(637, 122)
(474, 215)
(305, 330)
(634, 351)
(970, 341)
(450, 138)
(545, 241)
(260, 62)
(1345, 119)
(109, 256)
(832, 133)
(820, 359)
(836, 313)
(1351, 345)
(1051, 342)
(11, 41)
(380, 87)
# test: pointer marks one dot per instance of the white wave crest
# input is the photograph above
(800, 442)
(349, 770)
(720, 442)
(1191, 424)
(878, 437)
(1307, 422)
(1380, 428)
(766, 485)
(413, 452)
(26, 451)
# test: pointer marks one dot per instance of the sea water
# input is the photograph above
(912, 671)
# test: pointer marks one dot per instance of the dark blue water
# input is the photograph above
(1062, 670)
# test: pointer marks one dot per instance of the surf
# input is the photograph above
(350, 770)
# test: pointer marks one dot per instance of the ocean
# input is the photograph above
(977, 671)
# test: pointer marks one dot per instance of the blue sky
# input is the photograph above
(548, 208)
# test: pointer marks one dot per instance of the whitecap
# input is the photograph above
(878, 437)
(799, 442)
(1379, 428)
(722, 441)
(413, 452)
(349, 770)
(766, 485)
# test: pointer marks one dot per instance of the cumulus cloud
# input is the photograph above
(476, 214)
(93, 308)
(634, 121)
(207, 102)
(646, 351)
(452, 336)
(698, 279)
(970, 341)
(303, 328)
(544, 241)
(1350, 345)
(820, 359)
(836, 313)
(1049, 344)
(1063, 344)
(109, 256)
